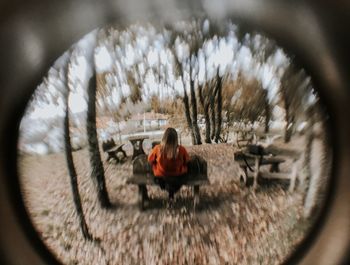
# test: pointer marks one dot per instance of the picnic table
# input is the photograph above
(244, 137)
(137, 142)
(267, 138)
(114, 152)
(249, 137)
(143, 176)
(251, 163)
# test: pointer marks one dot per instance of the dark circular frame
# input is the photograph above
(35, 33)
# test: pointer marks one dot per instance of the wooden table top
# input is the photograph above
(131, 138)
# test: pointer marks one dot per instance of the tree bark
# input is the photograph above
(71, 168)
(212, 114)
(207, 124)
(194, 112)
(94, 151)
(205, 101)
(289, 121)
(309, 185)
(188, 116)
(289, 127)
(219, 107)
(205, 106)
(307, 154)
(73, 177)
(267, 112)
(319, 183)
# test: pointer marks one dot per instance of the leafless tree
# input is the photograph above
(97, 173)
(218, 117)
(294, 83)
(73, 176)
(69, 159)
(97, 169)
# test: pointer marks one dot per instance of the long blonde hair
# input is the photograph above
(169, 144)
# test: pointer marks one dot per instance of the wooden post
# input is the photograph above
(293, 177)
(196, 196)
(256, 172)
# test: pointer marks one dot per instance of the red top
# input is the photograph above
(164, 167)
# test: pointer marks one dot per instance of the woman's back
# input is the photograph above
(167, 167)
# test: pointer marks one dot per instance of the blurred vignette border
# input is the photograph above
(14, 98)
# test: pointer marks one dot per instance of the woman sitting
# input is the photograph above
(169, 162)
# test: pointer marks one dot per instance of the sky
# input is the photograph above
(226, 53)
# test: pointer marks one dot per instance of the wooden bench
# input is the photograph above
(290, 177)
(287, 179)
(273, 161)
(113, 151)
(143, 176)
(253, 163)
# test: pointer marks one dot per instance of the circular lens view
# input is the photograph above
(191, 143)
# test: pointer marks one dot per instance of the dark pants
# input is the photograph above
(170, 184)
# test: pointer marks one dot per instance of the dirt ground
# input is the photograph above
(234, 225)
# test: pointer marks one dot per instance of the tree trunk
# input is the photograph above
(119, 133)
(289, 129)
(188, 116)
(205, 106)
(219, 107)
(319, 181)
(289, 122)
(212, 115)
(73, 177)
(207, 124)
(229, 124)
(307, 156)
(71, 168)
(267, 112)
(94, 151)
(194, 112)
(308, 184)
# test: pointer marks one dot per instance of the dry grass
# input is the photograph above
(233, 225)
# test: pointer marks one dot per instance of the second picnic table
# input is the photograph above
(136, 142)
(253, 162)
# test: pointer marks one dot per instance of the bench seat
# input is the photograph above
(264, 161)
(142, 176)
(254, 162)
(283, 179)
(273, 161)
(148, 179)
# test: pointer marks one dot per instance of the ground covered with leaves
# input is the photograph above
(233, 225)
